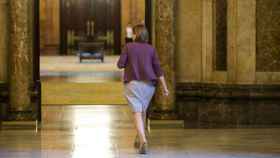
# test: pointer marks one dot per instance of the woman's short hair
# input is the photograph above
(142, 34)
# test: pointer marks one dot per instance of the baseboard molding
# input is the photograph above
(228, 106)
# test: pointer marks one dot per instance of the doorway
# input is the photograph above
(80, 21)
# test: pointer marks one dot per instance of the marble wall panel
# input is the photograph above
(232, 42)
(207, 40)
(246, 41)
(242, 42)
(268, 36)
(189, 41)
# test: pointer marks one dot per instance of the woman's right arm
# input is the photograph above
(122, 62)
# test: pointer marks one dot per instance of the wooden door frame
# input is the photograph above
(36, 59)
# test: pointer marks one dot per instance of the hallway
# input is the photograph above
(87, 83)
(221, 61)
(107, 132)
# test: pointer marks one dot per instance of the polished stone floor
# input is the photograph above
(107, 132)
(89, 82)
(69, 69)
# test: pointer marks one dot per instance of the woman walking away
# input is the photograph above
(141, 73)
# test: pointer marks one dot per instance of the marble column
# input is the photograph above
(165, 44)
(20, 69)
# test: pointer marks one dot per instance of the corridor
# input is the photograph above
(107, 132)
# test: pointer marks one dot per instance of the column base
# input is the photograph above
(21, 116)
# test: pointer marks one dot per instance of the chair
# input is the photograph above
(91, 50)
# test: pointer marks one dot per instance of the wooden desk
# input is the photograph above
(91, 50)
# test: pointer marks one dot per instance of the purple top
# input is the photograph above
(140, 62)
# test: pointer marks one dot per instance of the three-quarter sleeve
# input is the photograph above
(156, 65)
(122, 62)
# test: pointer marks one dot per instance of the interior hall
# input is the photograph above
(62, 94)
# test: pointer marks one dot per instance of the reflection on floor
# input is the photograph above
(67, 81)
(108, 132)
(57, 93)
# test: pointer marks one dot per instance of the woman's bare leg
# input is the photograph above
(138, 119)
(144, 119)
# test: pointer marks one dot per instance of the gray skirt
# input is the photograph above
(138, 95)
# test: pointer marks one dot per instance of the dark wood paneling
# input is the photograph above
(76, 14)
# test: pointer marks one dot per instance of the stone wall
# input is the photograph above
(268, 36)
(212, 48)
(3, 40)
(241, 47)
(268, 43)
(189, 40)
(240, 94)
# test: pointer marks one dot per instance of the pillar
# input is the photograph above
(164, 107)
(20, 63)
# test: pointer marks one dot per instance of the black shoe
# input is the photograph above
(143, 149)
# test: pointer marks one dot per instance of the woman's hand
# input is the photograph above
(164, 85)
(166, 92)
